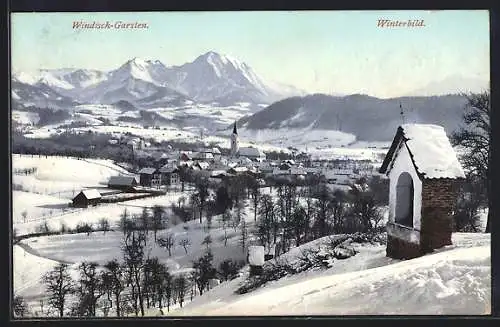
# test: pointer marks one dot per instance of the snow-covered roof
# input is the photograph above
(203, 155)
(216, 151)
(122, 180)
(91, 194)
(277, 171)
(168, 168)
(147, 170)
(188, 163)
(239, 169)
(250, 152)
(297, 171)
(203, 165)
(217, 173)
(430, 149)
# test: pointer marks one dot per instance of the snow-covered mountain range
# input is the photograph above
(210, 78)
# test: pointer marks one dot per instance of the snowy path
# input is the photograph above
(119, 169)
(34, 252)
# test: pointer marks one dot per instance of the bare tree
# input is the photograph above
(104, 225)
(145, 220)
(167, 242)
(90, 289)
(225, 218)
(201, 194)
(157, 219)
(267, 226)
(24, 214)
(116, 284)
(133, 250)
(207, 241)
(255, 191)
(203, 271)
(185, 242)
(243, 234)
(298, 225)
(475, 138)
(180, 288)
(168, 284)
(59, 285)
(125, 222)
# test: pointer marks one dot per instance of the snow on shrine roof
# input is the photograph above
(430, 149)
(91, 194)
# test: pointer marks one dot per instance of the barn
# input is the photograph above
(86, 198)
(423, 172)
(125, 183)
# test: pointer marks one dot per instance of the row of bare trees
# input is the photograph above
(133, 285)
(298, 215)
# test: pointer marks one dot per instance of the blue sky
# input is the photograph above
(318, 51)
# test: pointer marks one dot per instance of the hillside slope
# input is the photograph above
(454, 280)
(368, 118)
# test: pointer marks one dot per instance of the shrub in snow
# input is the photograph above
(84, 228)
(19, 307)
(43, 228)
(271, 270)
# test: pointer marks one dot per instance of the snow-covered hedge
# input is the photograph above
(318, 254)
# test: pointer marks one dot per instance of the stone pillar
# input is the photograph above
(438, 201)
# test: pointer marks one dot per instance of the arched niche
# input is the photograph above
(404, 200)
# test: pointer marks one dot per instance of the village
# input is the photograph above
(169, 168)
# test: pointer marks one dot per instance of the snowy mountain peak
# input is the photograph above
(52, 81)
(220, 60)
(142, 69)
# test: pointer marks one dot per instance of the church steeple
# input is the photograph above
(234, 141)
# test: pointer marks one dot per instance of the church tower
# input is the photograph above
(234, 141)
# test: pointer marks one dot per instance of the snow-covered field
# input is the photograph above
(48, 191)
(454, 280)
(72, 217)
(35, 206)
(101, 247)
(25, 117)
(28, 269)
(60, 174)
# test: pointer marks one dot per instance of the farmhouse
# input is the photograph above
(125, 183)
(423, 169)
(169, 175)
(86, 198)
(149, 177)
